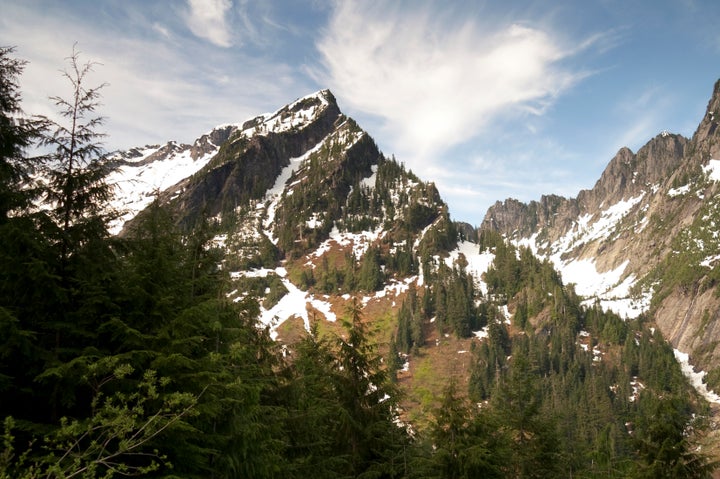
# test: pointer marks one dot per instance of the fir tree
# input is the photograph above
(16, 135)
(77, 169)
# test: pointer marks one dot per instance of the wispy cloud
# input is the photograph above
(436, 81)
(642, 114)
(161, 29)
(208, 19)
(161, 87)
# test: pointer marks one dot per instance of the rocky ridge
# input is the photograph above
(644, 239)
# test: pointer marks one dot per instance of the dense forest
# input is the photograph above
(123, 356)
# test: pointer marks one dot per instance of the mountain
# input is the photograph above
(317, 225)
(304, 184)
(644, 239)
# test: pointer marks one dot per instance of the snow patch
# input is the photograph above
(483, 333)
(360, 242)
(679, 191)
(370, 181)
(136, 185)
(286, 119)
(713, 170)
(707, 262)
(584, 231)
(294, 303)
(478, 263)
(274, 194)
(696, 379)
(588, 282)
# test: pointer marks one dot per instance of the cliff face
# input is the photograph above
(643, 238)
(251, 158)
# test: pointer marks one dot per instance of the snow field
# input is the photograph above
(136, 186)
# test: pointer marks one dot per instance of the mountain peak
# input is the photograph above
(707, 133)
(297, 114)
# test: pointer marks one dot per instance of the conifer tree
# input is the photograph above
(25, 255)
(368, 402)
(534, 440)
(465, 445)
(16, 135)
(77, 169)
(84, 262)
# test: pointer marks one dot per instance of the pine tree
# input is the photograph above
(25, 254)
(465, 445)
(76, 169)
(16, 135)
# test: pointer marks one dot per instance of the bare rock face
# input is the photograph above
(247, 165)
(707, 136)
(211, 141)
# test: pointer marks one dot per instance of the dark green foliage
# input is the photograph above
(76, 169)
(466, 444)
(16, 135)
(410, 334)
(370, 276)
(661, 442)
(453, 300)
(328, 176)
(546, 386)
(341, 405)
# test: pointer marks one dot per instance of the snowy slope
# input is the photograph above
(611, 287)
(145, 171)
(137, 182)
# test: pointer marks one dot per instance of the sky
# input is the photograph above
(488, 99)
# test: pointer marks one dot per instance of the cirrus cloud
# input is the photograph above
(434, 80)
(208, 19)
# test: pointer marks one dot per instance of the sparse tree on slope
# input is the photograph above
(76, 169)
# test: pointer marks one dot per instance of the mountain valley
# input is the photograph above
(308, 304)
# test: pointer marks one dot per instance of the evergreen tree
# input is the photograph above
(86, 267)
(76, 169)
(661, 442)
(176, 319)
(534, 441)
(313, 412)
(368, 401)
(370, 275)
(25, 254)
(16, 135)
(465, 445)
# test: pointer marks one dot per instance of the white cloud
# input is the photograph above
(161, 29)
(159, 88)
(434, 80)
(208, 19)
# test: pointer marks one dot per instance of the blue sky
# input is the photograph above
(489, 99)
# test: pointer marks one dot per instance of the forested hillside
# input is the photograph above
(141, 355)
